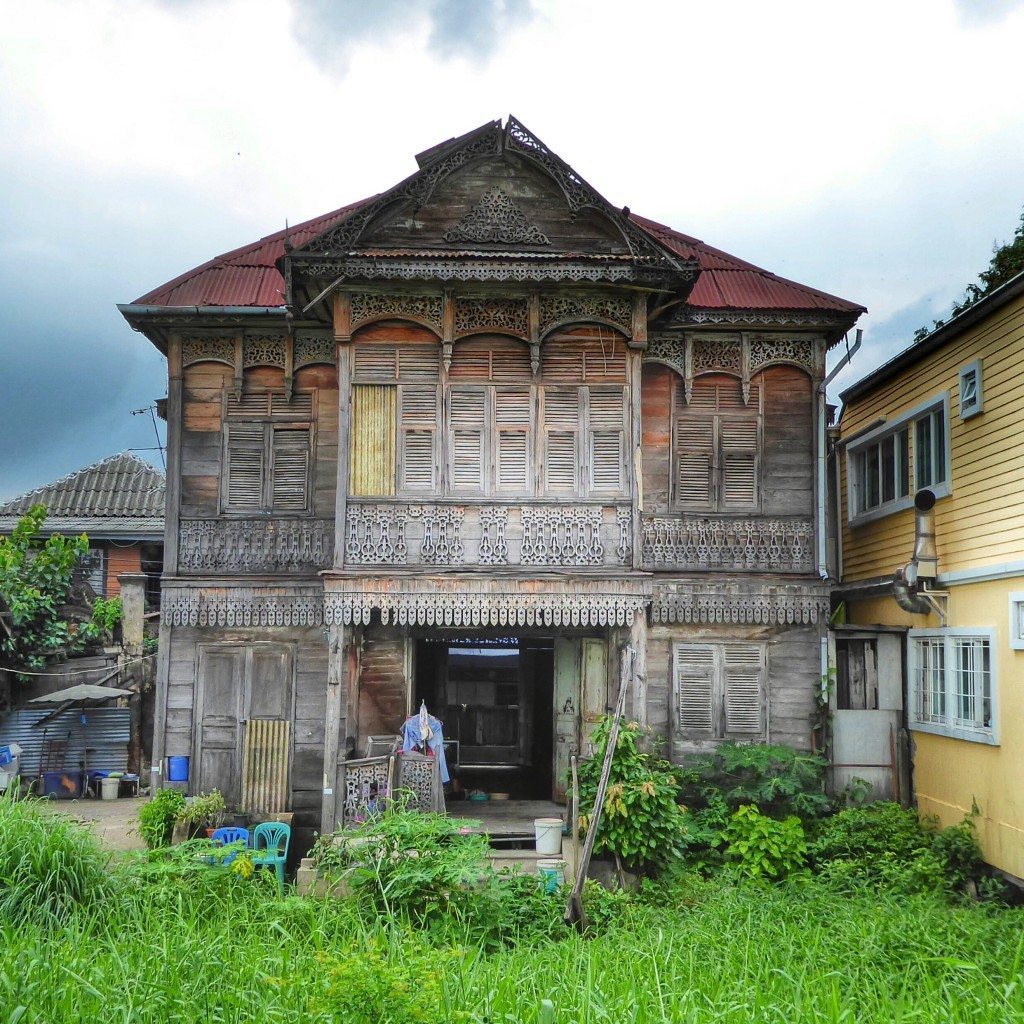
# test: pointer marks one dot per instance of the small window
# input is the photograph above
(882, 473)
(970, 390)
(720, 690)
(92, 569)
(953, 683)
(930, 450)
(1017, 620)
(856, 675)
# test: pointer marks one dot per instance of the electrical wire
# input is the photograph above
(76, 672)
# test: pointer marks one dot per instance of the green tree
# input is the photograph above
(35, 578)
(1007, 262)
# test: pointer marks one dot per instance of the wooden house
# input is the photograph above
(931, 486)
(119, 504)
(462, 443)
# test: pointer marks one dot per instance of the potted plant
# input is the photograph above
(203, 812)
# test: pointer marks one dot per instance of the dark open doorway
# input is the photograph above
(494, 696)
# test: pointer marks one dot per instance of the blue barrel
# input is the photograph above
(177, 768)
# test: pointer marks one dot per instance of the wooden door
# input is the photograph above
(594, 663)
(566, 711)
(219, 714)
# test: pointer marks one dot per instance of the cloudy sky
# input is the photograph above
(872, 149)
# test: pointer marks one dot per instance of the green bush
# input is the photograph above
(642, 822)
(763, 848)
(48, 864)
(156, 818)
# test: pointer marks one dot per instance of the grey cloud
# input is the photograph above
(330, 29)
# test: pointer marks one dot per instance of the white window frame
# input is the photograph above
(949, 725)
(975, 408)
(1017, 620)
(908, 419)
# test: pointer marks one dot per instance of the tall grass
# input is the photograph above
(163, 947)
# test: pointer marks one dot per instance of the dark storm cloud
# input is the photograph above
(330, 29)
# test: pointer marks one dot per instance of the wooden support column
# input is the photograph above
(163, 668)
(638, 641)
(343, 341)
(337, 703)
(172, 500)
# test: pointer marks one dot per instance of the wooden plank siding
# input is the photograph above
(980, 522)
(121, 558)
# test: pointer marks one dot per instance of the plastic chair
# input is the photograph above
(224, 836)
(270, 841)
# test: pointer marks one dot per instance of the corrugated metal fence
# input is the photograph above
(100, 743)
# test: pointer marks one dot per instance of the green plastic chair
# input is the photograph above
(270, 841)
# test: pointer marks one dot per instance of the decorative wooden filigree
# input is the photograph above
(772, 348)
(493, 545)
(255, 545)
(365, 789)
(496, 219)
(263, 350)
(758, 318)
(740, 603)
(559, 309)
(238, 606)
(561, 536)
(765, 544)
(419, 779)
(198, 348)
(427, 309)
(492, 314)
(442, 533)
(711, 354)
(669, 349)
(313, 348)
(624, 522)
(375, 534)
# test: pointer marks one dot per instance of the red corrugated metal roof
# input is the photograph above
(248, 276)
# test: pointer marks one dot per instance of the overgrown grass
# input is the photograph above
(169, 945)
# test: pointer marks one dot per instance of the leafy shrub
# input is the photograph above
(204, 811)
(156, 818)
(778, 780)
(48, 864)
(107, 613)
(763, 848)
(642, 822)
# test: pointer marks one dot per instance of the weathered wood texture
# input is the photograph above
(383, 685)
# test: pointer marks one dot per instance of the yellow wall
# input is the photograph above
(982, 521)
(951, 774)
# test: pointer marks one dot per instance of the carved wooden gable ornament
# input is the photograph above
(496, 218)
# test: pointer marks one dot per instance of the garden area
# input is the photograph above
(748, 898)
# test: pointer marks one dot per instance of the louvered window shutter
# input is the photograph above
(466, 448)
(561, 440)
(695, 462)
(739, 457)
(512, 417)
(743, 673)
(246, 447)
(695, 688)
(289, 470)
(607, 439)
(419, 429)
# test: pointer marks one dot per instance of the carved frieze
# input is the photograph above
(511, 315)
(375, 534)
(263, 350)
(314, 348)
(496, 219)
(624, 522)
(775, 348)
(712, 353)
(561, 536)
(366, 306)
(758, 318)
(564, 309)
(764, 544)
(255, 545)
(242, 606)
(740, 603)
(198, 348)
(493, 526)
(442, 533)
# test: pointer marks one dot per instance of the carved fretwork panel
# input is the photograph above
(242, 606)
(780, 348)
(366, 306)
(198, 348)
(496, 219)
(511, 315)
(255, 545)
(713, 353)
(557, 310)
(737, 545)
(399, 534)
(313, 348)
(263, 350)
(739, 602)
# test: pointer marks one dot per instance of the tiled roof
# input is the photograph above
(249, 276)
(120, 494)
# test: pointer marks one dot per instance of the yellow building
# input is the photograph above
(945, 416)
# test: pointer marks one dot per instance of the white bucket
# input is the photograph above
(109, 788)
(552, 872)
(549, 835)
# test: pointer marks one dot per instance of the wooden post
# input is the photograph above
(336, 704)
(172, 502)
(638, 641)
(133, 610)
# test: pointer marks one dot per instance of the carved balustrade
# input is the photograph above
(255, 545)
(401, 533)
(762, 544)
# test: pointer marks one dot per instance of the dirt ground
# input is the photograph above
(115, 822)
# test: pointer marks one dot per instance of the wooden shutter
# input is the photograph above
(512, 445)
(738, 441)
(468, 413)
(694, 462)
(375, 362)
(607, 439)
(371, 465)
(246, 447)
(561, 440)
(743, 688)
(695, 688)
(289, 469)
(419, 430)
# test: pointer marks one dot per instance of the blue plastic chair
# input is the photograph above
(270, 841)
(224, 836)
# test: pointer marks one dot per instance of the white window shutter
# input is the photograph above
(289, 479)
(695, 688)
(743, 674)
(246, 446)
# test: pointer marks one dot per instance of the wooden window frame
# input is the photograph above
(718, 651)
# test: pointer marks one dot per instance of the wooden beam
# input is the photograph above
(336, 704)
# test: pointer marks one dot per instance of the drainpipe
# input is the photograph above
(910, 581)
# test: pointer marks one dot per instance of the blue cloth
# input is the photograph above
(412, 738)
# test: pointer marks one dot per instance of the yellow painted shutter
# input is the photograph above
(372, 440)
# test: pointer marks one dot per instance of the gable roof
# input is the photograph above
(120, 496)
